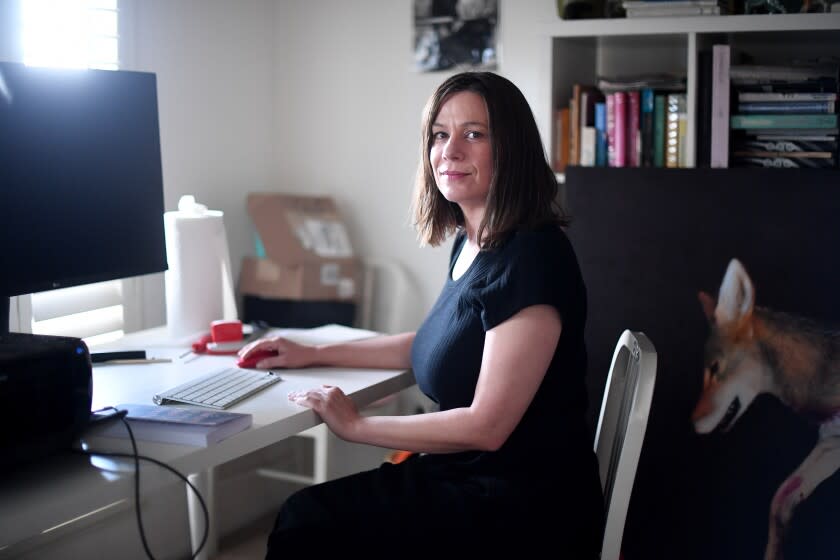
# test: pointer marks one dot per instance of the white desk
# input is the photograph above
(68, 493)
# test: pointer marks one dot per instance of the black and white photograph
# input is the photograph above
(455, 34)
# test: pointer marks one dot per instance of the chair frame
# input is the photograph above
(621, 430)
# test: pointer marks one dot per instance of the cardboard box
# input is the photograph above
(296, 228)
(328, 280)
(303, 250)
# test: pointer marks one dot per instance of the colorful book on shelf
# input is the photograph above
(776, 97)
(682, 129)
(785, 162)
(561, 139)
(827, 139)
(634, 143)
(674, 106)
(660, 82)
(756, 73)
(719, 148)
(783, 121)
(171, 424)
(796, 132)
(601, 134)
(815, 85)
(610, 110)
(588, 146)
(787, 145)
(589, 98)
(798, 155)
(646, 127)
(786, 107)
(703, 130)
(659, 130)
(579, 105)
(620, 134)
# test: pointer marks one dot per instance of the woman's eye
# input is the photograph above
(714, 368)
(438, 135)
(474, 135)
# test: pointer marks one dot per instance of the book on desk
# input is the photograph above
(171, 424)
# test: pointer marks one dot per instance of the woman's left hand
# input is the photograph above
(332, 405)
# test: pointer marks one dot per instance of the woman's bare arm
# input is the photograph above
(386, 352)
(516, 356)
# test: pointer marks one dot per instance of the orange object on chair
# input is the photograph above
(398, 457)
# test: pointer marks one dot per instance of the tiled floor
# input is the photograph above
(247, 543)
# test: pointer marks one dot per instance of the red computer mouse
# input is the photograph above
(251, 361)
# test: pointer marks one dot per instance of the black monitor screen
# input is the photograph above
(81, 189)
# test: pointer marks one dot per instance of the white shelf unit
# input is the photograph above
(583, 50)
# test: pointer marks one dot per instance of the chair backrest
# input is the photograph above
(388, 300)
(621, 430)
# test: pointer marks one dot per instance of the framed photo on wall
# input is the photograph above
(452, 34)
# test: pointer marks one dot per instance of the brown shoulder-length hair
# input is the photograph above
(523, 189)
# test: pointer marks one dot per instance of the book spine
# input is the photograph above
(561, 139)
(719, 157)
(756, 96)
(659, 131)
(634, 144)
(601, 134)
(763, 74)
(647, 127)
(787, 107)
(575, 109)
(787, 162)
(783, 121)
(587, 146)
(574, 130)
(758, 153)
(610, 103)
(682, 131)
(703, 140)
(621, 151)
(800, 133)
(672, 132)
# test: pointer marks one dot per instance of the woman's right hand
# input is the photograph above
(282, 353)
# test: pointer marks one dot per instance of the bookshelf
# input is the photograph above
(582, 50)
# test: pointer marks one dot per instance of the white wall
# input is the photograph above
(214, 61)
(349, 107)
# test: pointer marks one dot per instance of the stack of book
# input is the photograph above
(634, 121)
(672, 8)
(784, 116)
(170, 424)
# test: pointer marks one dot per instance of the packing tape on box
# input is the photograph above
(199, 282)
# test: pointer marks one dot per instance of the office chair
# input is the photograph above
(621, 430)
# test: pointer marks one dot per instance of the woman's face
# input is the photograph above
(462, 154)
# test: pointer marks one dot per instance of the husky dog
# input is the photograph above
(752, 350)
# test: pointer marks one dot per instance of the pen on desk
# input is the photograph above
(100, 357)
(129, 361)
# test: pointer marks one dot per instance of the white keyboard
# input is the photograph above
(219, 389)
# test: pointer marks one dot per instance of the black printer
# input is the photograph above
(46, 387)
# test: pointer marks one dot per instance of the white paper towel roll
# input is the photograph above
(199, 282)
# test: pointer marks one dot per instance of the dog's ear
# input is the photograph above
(708, 304)
(735, 301)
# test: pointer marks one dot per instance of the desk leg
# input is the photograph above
(204, 481)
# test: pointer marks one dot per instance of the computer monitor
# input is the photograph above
(81, 194)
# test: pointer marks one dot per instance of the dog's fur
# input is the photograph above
(752, 350)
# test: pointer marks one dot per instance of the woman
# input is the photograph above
(502, 352)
